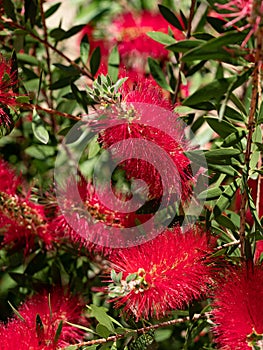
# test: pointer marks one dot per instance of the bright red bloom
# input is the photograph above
(22, 222)
(129, 33)
(88, 219)
(163, 274)
(9, 181)
(238, 309)
(8, 81)
(41, 321)
(148, 121)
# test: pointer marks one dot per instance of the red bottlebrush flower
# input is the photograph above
(88, 219)
(161, 275)
(9, 181)
(148, 120)
(8, 82)
(258, 252)
(42, 316)
(238, 309)
(22, 222)
(129, 32)
(242, 10)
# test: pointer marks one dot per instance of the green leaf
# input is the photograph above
(22, 99)
(260, 114)
(217, 154)
(93, 148)
(39, 129)
(84, 50)
(52, 10)
(95, 61)
(58, 34)
(9, 9)
(226, 197)
(37, 263)
(170, 17)
(184, 45)
(226, 222)
(113, 63)
(215, 89)
(41, 152)
(100, 313)
(73, 31)
(234, 138)
(225, 169)
(31, 11)
(210, 194)
(58, 332)
(39, 327)
(222, 128)
(102, 330)
(216, 48)
(158, 74)
(16, 312)
(162, 334)
(25, 58)
(63, 82)
(162, 38)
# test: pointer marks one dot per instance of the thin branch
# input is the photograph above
(226, 245)
(141, 330)
(251, 128)
(53, 48)
(182, 64)
(48, 110)
(46, 48)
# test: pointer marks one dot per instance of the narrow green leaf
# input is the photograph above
(84, 50)
(16, 312)
(222, 128)
(226, 222)
(113, 63)
(95, 61)
(52, 10)
(223, 153)
(58, 34)
(39, 326)
(226, 197)
(210, 194)
(73, 31)
(184, 45)
(162, 38)
(170, 17)
(234, 138)
(260, 114)
(39, 129)
(158, 74)
(58, 332)
(9, 9)
(102, 330)
(31, 11)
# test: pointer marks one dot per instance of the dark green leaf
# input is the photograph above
(184, 45)
(223, 153)
(170, 17)
(95, 61)
(24, 57)
(215, 89)
(226, 222)
(73, 31)
(31, 9)
(162, 38)
(52, 10)
(225, 199)
(225, 169)
(222, 128)
(58, 332)
(63, 82)
(39, 129)
(58, 34)
(260, 114)
(113, 63)
(36, 264)
(234, 138)
(216, 48)
(39, 327)
(158, 74)
(233, 114)
(9, 9)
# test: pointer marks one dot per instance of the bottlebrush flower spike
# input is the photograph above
(9, 181)
(129, 30)
(143, 121)
(8, 82)
(22, 222)
(238, 309)
(41, 316)
(248, 10)
(161, 275)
